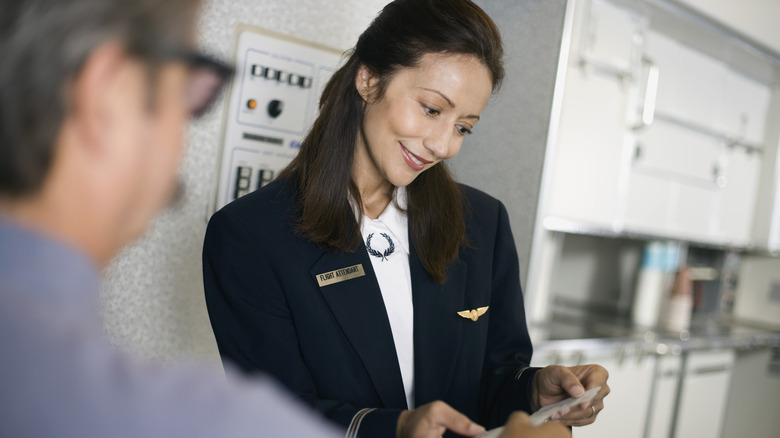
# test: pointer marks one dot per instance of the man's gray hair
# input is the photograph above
(43, 45)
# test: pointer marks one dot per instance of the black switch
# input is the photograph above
(243, 175)
(264, 176)
(275, 108)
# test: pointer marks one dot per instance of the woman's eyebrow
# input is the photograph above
(449, 101)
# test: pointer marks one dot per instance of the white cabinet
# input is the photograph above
(652, 396)
(706, 193)
(604, 34)
(735, 206)
(671, 187)
(703, 393)
(744, 113)
(754, 395)
(690, 172)
(625, 408)
(588, 160)
(766, 226)
(661, 415)
(695, 170)
(590, 141)
(690, 84)
(630, 382)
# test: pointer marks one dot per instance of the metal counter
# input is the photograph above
(602, 334)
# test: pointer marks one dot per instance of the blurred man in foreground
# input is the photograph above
(95, 95)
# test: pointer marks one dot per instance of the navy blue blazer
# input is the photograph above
(333, 346)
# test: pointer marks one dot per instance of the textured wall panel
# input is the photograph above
(153, 294)
(505, 155)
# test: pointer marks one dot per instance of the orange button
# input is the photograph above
(251, 104)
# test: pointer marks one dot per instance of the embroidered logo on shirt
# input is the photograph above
(473, 314)
(382, 255)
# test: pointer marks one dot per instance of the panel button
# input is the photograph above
(275, 108)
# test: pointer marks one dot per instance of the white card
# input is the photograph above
(562, 407)
(548, 411)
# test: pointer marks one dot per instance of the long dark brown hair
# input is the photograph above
(398, 38)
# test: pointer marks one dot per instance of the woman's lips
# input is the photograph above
(414, 161)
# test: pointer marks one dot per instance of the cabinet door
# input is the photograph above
(743, 118)
(605, 34)
(754, 396)
(690, 84)
(591, 137)
(687, 180)
(625, 408)
(661, 415)
(584, 185)
(736, 202)
(671, 187)
(704, 393)
(693, 186)
(746, 103)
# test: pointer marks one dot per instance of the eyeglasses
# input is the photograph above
(208, 77)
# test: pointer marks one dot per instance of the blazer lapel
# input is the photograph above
(437, 328)
(358, 306)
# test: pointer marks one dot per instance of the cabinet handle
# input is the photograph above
(651, 92)
(638, 151)
(710, 369)
(720, 180)
(620, 355)
(577, 357)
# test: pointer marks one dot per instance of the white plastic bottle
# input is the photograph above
(659, 262)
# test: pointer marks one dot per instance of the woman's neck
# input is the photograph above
(375, 199)
(375, 190)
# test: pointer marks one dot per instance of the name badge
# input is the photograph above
(339, 275)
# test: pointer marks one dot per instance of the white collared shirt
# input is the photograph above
(388, 250)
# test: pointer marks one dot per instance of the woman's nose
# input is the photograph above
(440, 142)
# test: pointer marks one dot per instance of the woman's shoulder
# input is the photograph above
(477, 199)
(485, 216)
(269, 203)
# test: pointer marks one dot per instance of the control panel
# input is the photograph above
(269, 108)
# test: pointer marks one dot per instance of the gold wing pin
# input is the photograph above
(473, 314)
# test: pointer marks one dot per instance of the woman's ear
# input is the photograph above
(365, 82)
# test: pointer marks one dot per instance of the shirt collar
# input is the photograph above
(45, 268)
(393, 217)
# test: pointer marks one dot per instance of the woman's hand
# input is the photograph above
(555, 383)
(519, 426)
(432, 420)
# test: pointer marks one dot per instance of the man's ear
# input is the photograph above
(365, 82)
(89, 100)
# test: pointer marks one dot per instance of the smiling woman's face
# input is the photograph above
(421, 119)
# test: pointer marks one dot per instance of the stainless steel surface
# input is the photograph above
(599, 333)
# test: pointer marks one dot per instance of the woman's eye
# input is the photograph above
(463, 130)
(430, 111)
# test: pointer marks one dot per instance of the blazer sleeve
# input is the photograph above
(507, 375)
(249, 314)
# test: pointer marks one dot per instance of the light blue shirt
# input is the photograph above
(60, 377)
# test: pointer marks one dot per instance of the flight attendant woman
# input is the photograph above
(364, 278)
